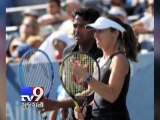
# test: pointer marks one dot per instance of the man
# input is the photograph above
(54, 13)
(67, 25)
(144, 27)
(85, 42)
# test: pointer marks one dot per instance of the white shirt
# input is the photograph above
(67, 27)
(148, 21)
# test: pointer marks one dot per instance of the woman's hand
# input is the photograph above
(78, 70)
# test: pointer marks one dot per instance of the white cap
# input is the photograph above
(48, 47)
(72, 1)
(60, 36)
(16, 43)
(117, 11)
(30, 12)
(103, 23)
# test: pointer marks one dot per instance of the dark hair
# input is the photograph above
(128, 40)
(96, 4)
(88, 14)
(117, 4)
(57, 1)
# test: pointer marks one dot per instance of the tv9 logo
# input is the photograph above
(32, 94)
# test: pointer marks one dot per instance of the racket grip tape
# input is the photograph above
(76, 105)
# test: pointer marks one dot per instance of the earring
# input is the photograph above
(115, 39)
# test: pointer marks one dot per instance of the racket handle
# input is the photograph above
(84, 104)
(44, 116)
(76, 105)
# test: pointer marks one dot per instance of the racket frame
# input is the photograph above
(61, 74)
(21, 67)
(22, 77)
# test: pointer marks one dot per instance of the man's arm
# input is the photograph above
(50, 105)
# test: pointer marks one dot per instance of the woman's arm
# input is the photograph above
(119, 68)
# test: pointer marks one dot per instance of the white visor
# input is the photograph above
(103, 23)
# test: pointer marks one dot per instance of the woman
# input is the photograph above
(118, 43)
(28, 27)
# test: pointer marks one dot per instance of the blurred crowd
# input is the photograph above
(53, 31)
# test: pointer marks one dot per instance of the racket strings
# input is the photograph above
(73, 84)
(35, 69)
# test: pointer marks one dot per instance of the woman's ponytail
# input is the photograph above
(127, 40)
(130, 42)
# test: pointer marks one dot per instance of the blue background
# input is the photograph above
(140, 99)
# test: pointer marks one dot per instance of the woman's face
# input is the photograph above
(59, 45)
(104, 38)
(28, 27)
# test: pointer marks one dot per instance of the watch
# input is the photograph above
(88, 78)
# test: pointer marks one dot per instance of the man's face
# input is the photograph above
(81, 35)
(53, 8)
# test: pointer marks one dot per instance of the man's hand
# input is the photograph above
(49, 105)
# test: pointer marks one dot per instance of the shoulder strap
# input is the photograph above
(120, 52)
(110, 58)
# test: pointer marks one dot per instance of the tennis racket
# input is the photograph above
(36, 70)
(76, 87)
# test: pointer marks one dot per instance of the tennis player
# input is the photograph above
(85, 42)
(119, 45)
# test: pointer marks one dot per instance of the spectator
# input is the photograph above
(67, 25)
(17, 49)
(21, 50)
(119, 12)
(55, 43)
(34, 41)
(134, 7)
(144, 27)
(28, 27)
(13, 47)
(146, 23)
(9, 38)
(30, 12)
(51, 21)
(95, 4)
(59, 45)
(118, 2)
(54, 46)
(54, 13)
